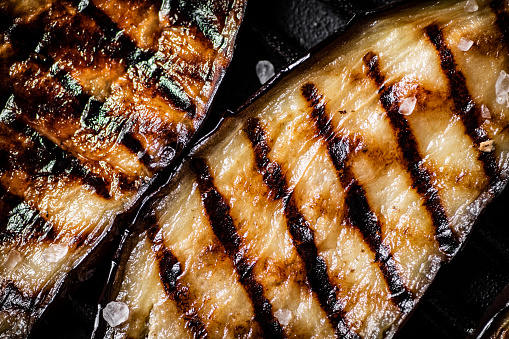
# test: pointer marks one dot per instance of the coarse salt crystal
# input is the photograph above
(54, 253)
(502, 89)
(115, 313)
(264, 71)
(283, 316)
(465, 44)
(487, 146)
(408, 106)
(82, 5)
(13, 259)
(485, 112)
(471, 6)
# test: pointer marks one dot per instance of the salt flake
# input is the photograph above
(485, 112)
(115, 313)
(502, 89)
(55, 252)
(465, 44)
(408, 106)
(471, 6)
(487, 146)
(13, 259)
(264, 71)
(283, 316)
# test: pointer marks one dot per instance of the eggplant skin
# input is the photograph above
(97, 98)
(327, 204)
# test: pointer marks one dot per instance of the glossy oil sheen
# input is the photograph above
(96, 98)
(343, 208)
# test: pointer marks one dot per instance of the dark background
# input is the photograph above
(280, 31)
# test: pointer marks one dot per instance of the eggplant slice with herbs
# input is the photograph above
(327, 204)
(98, 97)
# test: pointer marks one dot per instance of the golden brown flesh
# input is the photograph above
(326, 206)
(97, 97)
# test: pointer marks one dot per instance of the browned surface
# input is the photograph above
(342, 207)
(96, 100)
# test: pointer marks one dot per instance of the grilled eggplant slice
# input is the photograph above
(325, 207)
(99, 97)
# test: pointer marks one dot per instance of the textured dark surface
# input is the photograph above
(280, 31)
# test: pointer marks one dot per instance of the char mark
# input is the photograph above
(204, 17)
(373, 65)
(464, 105)
(302, 235)
(130, 141)
(154, 76)
(45, 159)
(121, 46)
(71, 86)
(499, 9)
(170, 269)
(358, 210)
(20, 223)
(222, 224)
(412, 158)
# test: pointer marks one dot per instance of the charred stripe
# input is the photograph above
(21, 223)
(358, 210)
(123, 47)
(170, 269)
(372, 63)
(200, 15)
(464, 105)
(302, 235)
(70, 84)
(130, 141)
(154, 76)
(24, 34)
(499, 9)
(421, 177)
(222, 224)
(45, 158)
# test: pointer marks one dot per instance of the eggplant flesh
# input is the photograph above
(327, 204)
(97, 97)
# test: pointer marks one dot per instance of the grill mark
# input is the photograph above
(170, 269)
(464, 105)
(130, 141)
(47, 159)
(200, 15)
(23, 35)
(421, 177)
(222, 224)
(71, 85)
(94, 113)
(153, 76)
(124, 47)
(300, 231)
(117, 46)
(21, 223)
(502, 21)
(358, 210)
